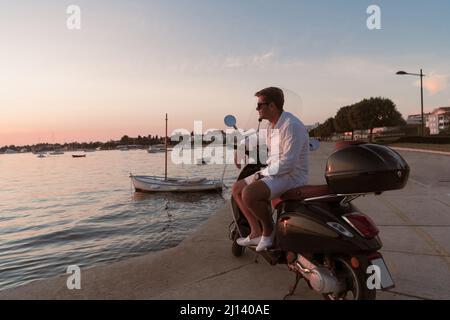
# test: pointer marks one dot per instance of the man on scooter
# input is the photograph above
(287, 168)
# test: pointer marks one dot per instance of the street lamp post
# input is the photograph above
(421, 75)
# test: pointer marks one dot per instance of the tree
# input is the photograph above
(324, 130)
(125, 140)
(313, 132)
(328, 128)
(373, 113)
(342, 121)
(355, 117)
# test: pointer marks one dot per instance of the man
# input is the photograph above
(287, 168)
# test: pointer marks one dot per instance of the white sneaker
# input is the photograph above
(266, 242)
(245, 242)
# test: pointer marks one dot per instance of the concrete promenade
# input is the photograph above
(414, 226)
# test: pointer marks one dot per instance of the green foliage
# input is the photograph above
(342, 121)
(365, 115)
(373, 113)
(325, 130)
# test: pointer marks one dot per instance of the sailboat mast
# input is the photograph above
(165, 171)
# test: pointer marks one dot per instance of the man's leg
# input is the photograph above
(256, 196)
(255, 227)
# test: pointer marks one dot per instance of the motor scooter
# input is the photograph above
(320, 234)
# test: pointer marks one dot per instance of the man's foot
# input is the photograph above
(246, 242)
(266, 242)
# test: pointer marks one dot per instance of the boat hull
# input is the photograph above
(158, 184)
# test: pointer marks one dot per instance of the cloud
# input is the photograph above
(434, 83)
(233, 62)
(263, 58)
(295, 63)
(257, 60)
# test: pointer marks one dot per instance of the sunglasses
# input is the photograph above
(261, 105)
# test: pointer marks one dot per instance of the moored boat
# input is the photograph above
(165, 184)
(56, 153)
(160, 184)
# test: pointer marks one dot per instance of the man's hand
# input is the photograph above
(236, 162)
(257, 176)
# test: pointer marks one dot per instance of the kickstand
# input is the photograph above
(298, 276)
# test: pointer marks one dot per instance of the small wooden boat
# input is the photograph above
(154, 149)
(56, 153)
(165, 184)
(78, 156)
(160, 184)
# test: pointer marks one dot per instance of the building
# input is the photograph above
(439, 120)
(417, 118)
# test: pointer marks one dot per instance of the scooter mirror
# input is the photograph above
(314, 144)
(230, 121)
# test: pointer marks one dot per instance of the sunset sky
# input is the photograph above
(133, 61)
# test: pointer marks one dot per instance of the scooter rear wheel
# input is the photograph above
(355, 279)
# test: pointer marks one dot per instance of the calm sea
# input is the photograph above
(59, 211)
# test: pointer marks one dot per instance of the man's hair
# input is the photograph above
(272, 94)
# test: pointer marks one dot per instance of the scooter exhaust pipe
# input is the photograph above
(320, 278)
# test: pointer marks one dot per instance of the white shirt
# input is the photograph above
(290, 155)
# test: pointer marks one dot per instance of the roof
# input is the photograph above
(441, 110)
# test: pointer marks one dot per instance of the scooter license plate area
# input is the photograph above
(382, 273)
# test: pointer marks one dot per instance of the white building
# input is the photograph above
(436, 121)
(439, 120)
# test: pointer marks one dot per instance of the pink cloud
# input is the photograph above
(434, 83)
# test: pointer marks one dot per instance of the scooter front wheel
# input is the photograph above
(236, 249)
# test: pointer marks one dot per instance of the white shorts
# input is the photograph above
(277, 184)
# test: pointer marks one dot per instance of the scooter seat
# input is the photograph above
(306, 192)
(302, 193)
